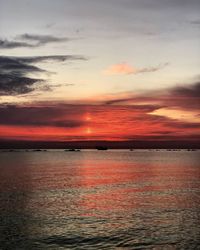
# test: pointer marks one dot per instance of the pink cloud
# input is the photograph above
(126, 69)
(122, 68)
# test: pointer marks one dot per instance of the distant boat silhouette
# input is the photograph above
(102, 148)
(39, 150)
(72, 150)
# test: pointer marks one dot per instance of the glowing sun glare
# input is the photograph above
(88, 131)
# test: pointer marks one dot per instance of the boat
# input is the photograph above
(101, 148)
(72, 150)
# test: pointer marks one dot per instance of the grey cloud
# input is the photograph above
(5, 44)
(185, 97)
(41, 39)
(14, 79)
(192, 91)
(40, 116)
(16, 66)
(30, 41)
(59, 58)
(152, 69)
(14, 85)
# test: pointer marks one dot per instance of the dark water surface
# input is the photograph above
(100, 200)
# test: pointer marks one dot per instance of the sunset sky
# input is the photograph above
(99, 70)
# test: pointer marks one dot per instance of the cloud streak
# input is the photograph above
(31, 41)
(42, 39)
(58, 58)
(6, 44)
(127, 69)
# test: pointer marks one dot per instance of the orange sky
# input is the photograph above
(169, 114)
(99, 70)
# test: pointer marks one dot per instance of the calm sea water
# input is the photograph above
(100, 200)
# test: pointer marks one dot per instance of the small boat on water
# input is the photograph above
(102, 148)
(39, 150)
(72, 150)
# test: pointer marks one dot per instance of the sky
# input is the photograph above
(99, 70)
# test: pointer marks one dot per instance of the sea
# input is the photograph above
(93, 199)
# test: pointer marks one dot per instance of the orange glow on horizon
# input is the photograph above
(115, 123)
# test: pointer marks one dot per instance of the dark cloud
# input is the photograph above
(57, 116)
(118, 101)
(30, 41)
(59, 58)
(192, 91)
(14, 73)
(5, 44)
(17, 66)
(13, 76)
(124, 101)
(185, 97)
(14, 85)
(42, 39)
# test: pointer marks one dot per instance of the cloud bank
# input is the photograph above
(14, 76)
(170, 114)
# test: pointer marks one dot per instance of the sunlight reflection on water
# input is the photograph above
(99, 200)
